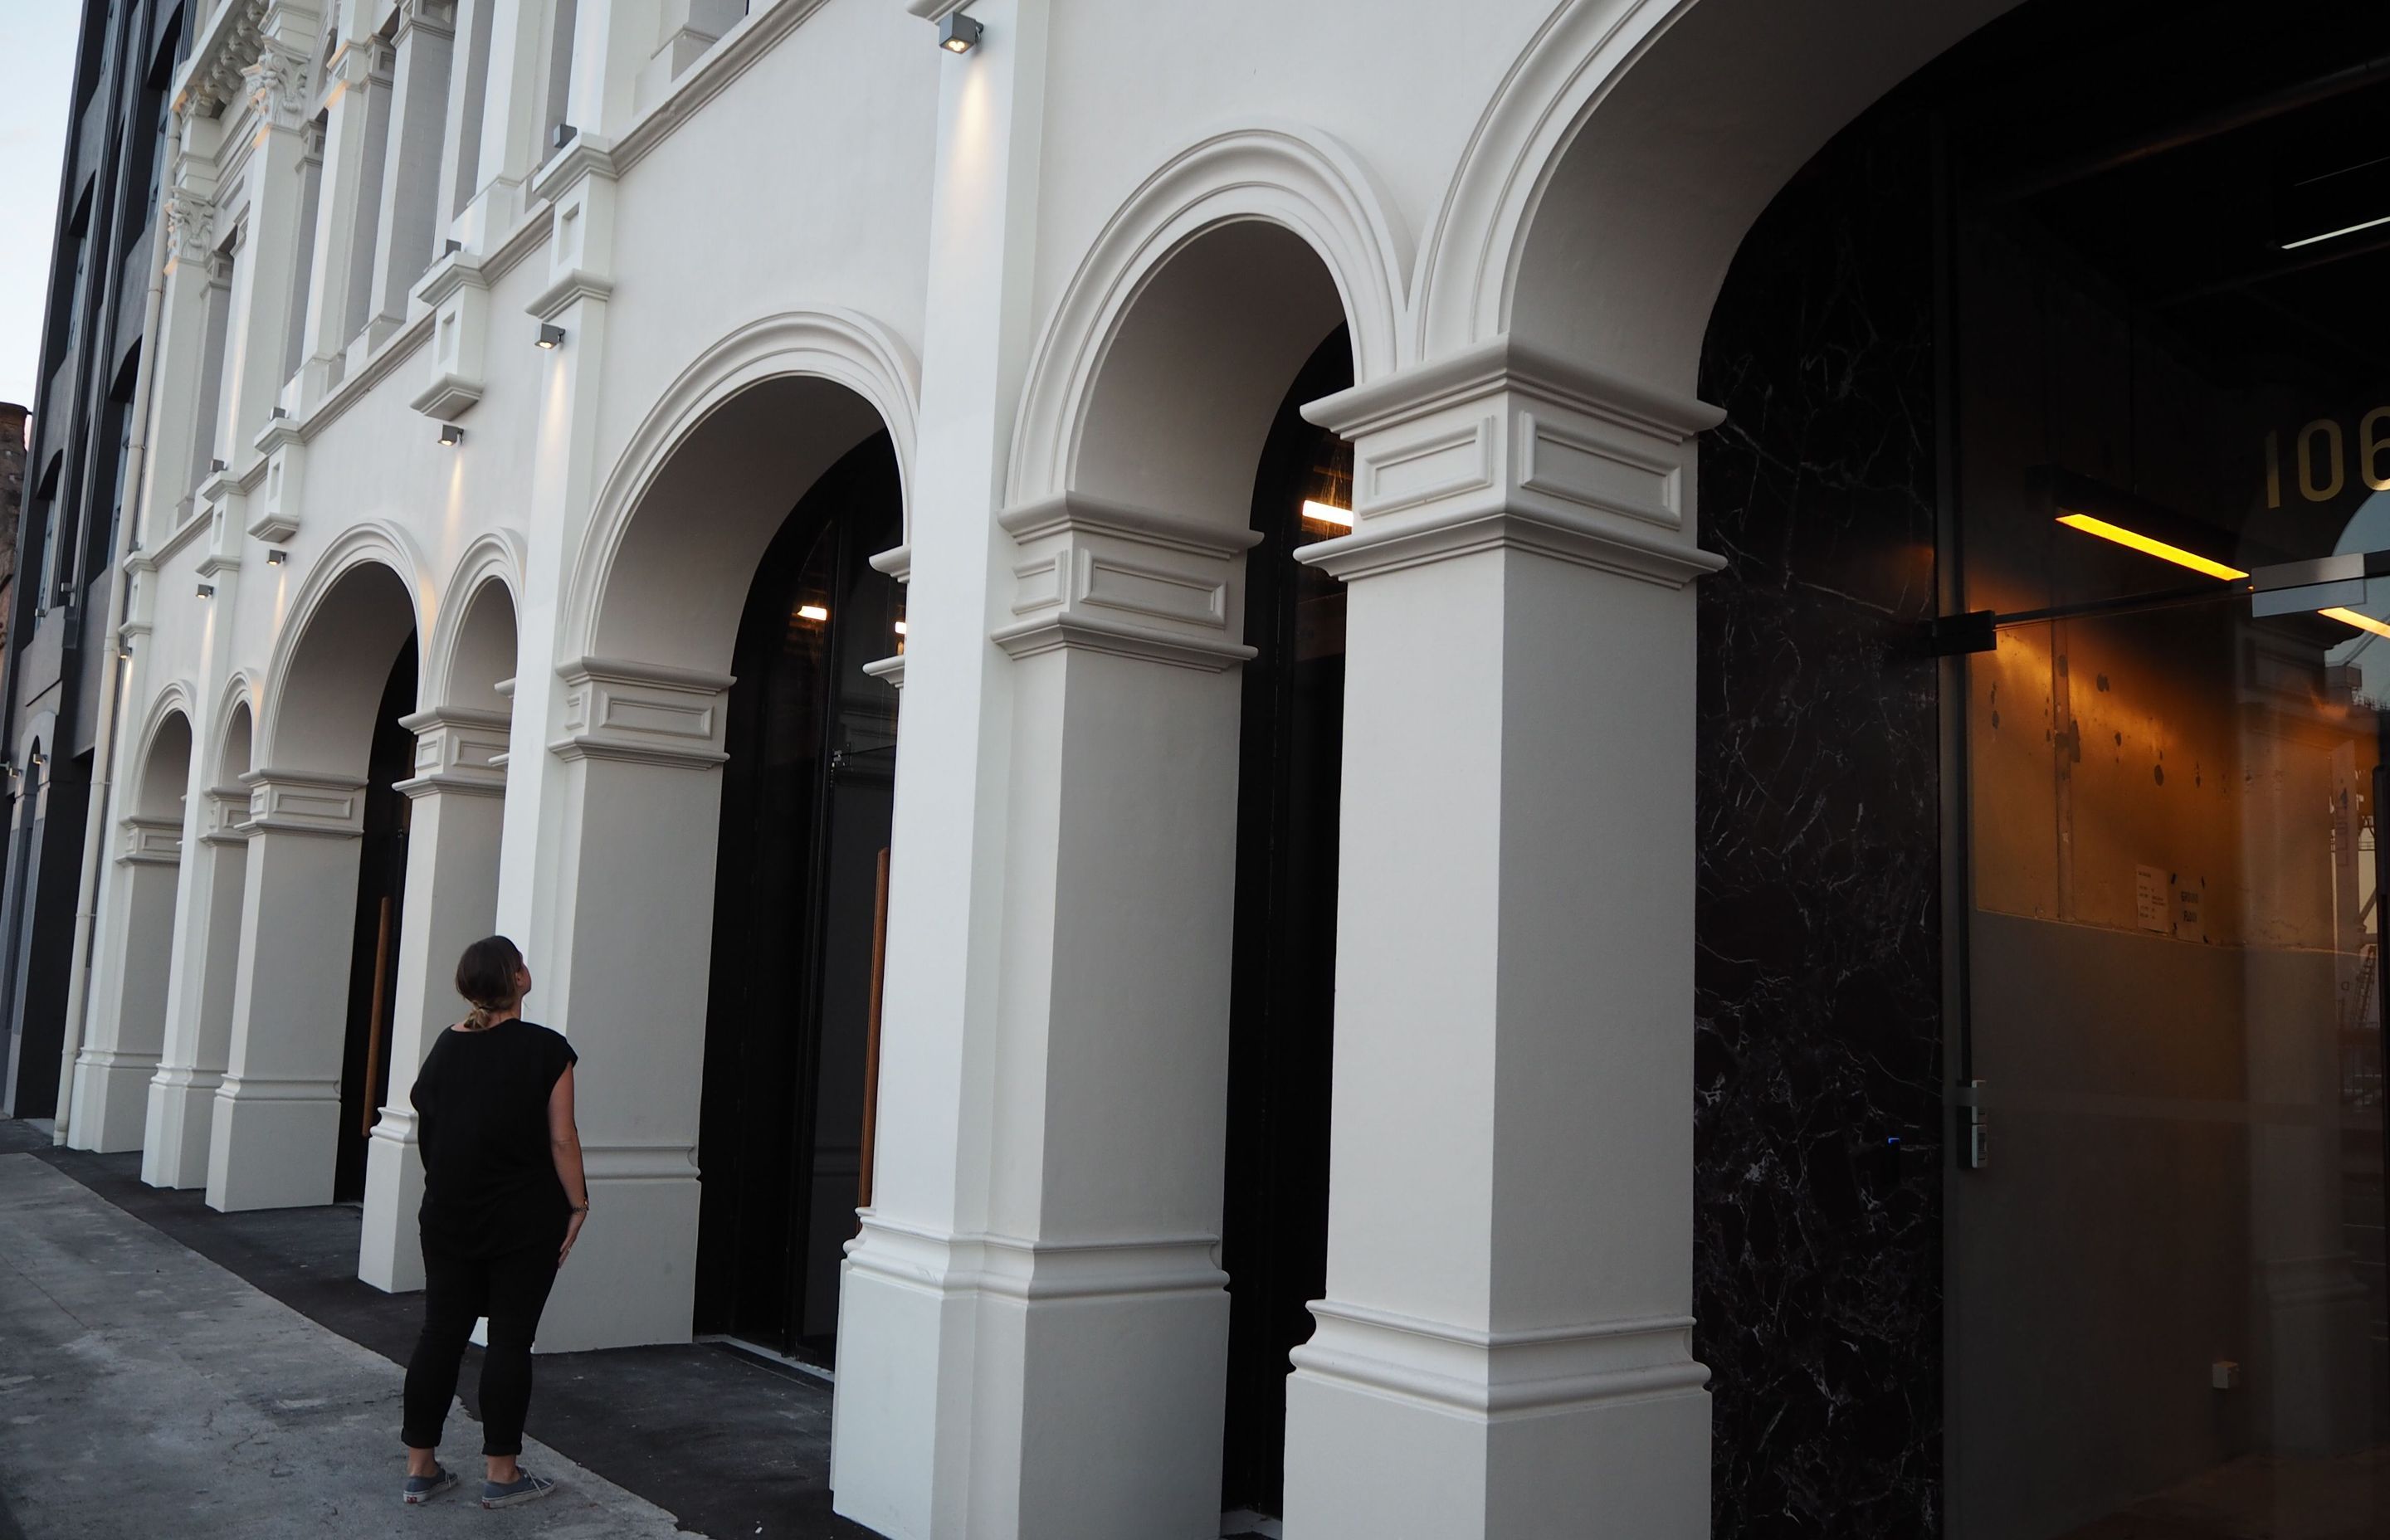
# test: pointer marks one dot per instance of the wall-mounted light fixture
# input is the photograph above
(551, 336)
(452, 248)
(276, 555)
(215, 466)
(207, 590)
(278, 414)
(813, 612)
(451, 435)
(958, 33)
(1319, 512)
(565, 133)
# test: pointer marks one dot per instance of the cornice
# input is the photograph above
(401, 347)
(1076, 629)
(1506, 364)
(1072, 512)
(731, 57)
(1398, 542)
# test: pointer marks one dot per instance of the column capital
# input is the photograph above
(224, 819)
(148, 840)
(458, 751)
(277, 85)
(1126, 581)
(190, 224)
(1504, 446)
(293, 802)
(644, 713)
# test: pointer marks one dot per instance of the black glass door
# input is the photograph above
(805, 810)
(373, 954)
(1282, 1022)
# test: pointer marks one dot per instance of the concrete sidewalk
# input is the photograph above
(145, 1390)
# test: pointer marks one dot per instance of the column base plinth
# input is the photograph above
(272, 1144)
(182, 1110)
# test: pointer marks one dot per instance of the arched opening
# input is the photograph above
(326, 864)
(807, 801)
(198, 1042)
(128, 1028)
(428, 887)
(732, 765)
(2038, 1165)
(1195, 414)
(380, 919)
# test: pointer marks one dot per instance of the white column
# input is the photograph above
(689, 28)
(1505, 1348)
(506, 140)
(469, 95)
(347, 210)
(625, 930)
(408, 222)
(901, 1459)
(276, 1115)
(457, 793)
(177, 431)
(613, 41)
(113, 1071)
(199, 990)
(267, 269)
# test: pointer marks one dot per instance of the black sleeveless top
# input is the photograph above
(480, 1104)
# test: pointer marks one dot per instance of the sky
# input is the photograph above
(36, 78)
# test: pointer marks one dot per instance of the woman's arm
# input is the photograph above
(564, 1144)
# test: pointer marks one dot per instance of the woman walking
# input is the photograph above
(504, 1200)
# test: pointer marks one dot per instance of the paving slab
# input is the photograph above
(145, 1390)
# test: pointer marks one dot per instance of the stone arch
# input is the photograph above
(164, 764)
(472, 653)
(232, 739)
(361, 601)
(1111, 367)
(1612, 179)
(842, 375)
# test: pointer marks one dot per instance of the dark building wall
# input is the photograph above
(1816, 1252)
(67, 530)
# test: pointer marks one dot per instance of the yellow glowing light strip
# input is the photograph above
(1327, 513)
(812, 612)
(2134, 540)
(2362, 623)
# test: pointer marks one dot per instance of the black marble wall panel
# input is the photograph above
(1817, 1254)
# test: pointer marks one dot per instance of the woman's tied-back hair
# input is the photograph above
(485, 977)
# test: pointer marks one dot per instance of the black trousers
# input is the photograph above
(511, 1290)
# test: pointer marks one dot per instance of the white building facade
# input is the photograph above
(498, 342)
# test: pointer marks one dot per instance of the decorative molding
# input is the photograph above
(1037, 1272)
(640, 1163)
(225, 815)
(458, 751)
(1125, 581)
(190, 224)
(238, 1087)
(748, 41)
(1504, 447)
(287, 801)
(456, 291)
(896, 562)
(843, 347)
(1485, 1374)
(283, 448)
(641, 714)
(275, 84)
(1288, 175)
(148, 840)
(888, 670)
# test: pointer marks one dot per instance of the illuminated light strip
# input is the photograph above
(812, 612)
(2134, 540)
(1327, 513)
(2362, 623)
(2335, 235)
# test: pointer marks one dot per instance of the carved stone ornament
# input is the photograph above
(190, 225)
(278, 86)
